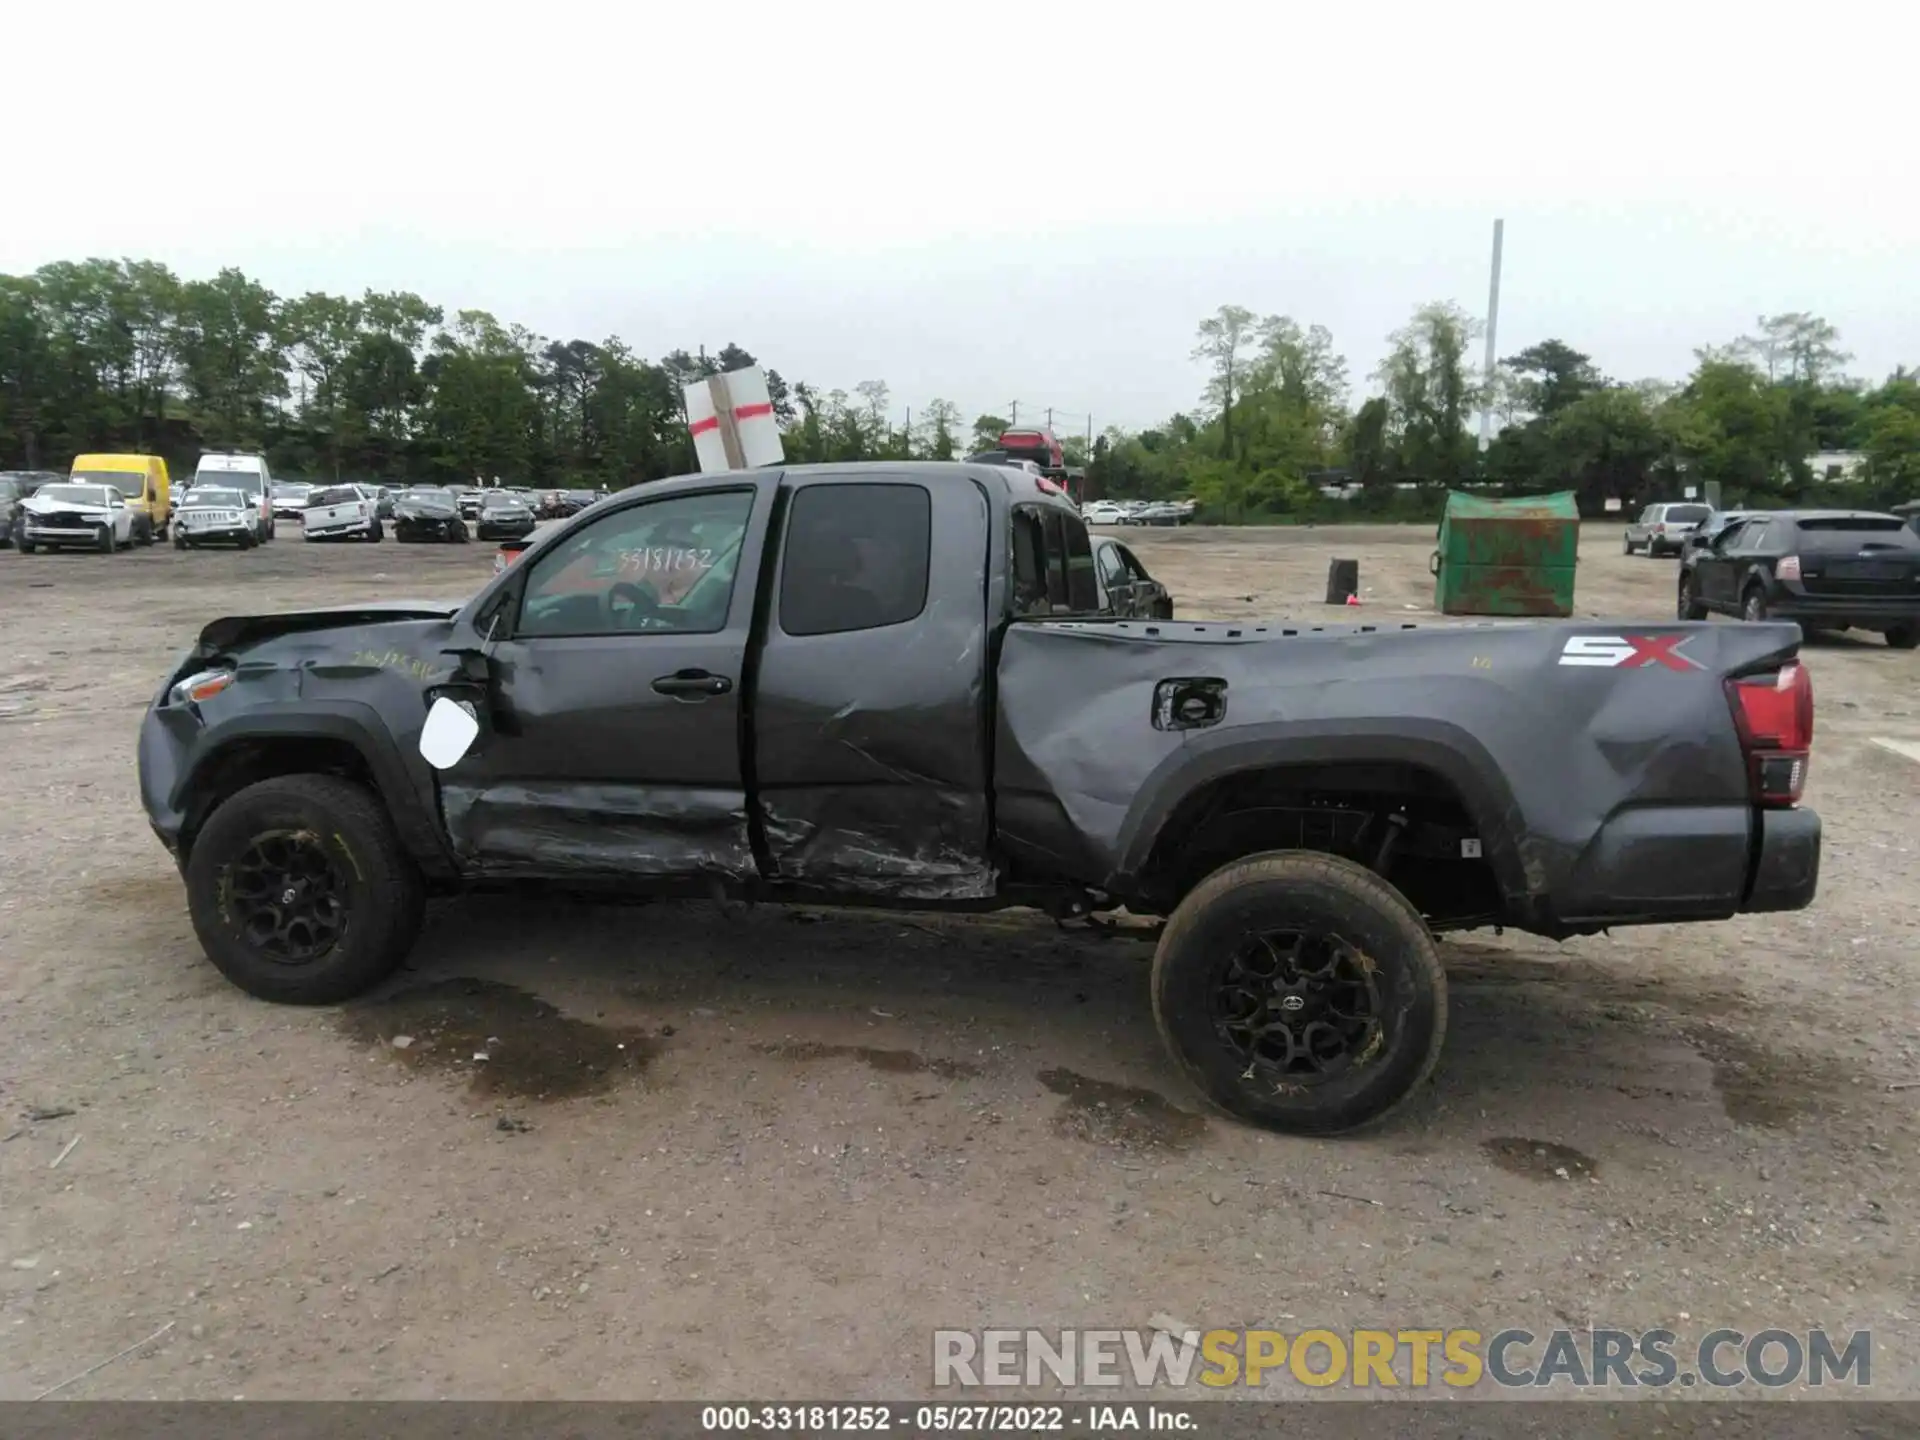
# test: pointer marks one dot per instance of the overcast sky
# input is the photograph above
(997, 202)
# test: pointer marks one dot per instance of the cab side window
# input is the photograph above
(856, 558)
(664, 566)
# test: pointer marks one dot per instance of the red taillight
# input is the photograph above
(1788, 569)
(1774, 715)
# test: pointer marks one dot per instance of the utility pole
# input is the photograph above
(909, 434)
(1049, 417)
(1493, 321)
(1015, 417)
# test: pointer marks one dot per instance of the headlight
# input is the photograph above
(202, 686)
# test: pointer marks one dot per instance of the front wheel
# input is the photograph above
(1753, 607)
(23, 545)
(179, 541)
(105, 542)
(459, 532)
(1689, 607)
(143, 533)
(1903, 637)
(1301, 992)
(1626, 545)
(300, 892)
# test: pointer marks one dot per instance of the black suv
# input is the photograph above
(1828, 569)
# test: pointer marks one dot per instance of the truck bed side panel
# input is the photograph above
(869, 760)
(1601, 791)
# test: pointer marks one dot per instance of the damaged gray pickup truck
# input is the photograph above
(885, 684)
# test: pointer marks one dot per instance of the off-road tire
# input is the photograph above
(1305, 891)
(1688, 606)
(384, 898)
(1903, 637)
(1753, 605)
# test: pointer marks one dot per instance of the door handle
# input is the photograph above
(692, 684)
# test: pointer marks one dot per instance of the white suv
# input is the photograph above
(339, 511)
(1663, 529)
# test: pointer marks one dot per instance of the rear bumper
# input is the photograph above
(1663, 864)
(1863, 612)
(1787, 870)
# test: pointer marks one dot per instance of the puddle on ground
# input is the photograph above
(532, 1051)
(1755, 1087)
(894, 1062)
(1539, 1159)
(1104, 1113)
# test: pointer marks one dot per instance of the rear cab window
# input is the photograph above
(1687, 514)
(1053, 569)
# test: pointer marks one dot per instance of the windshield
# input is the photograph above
(218, 499)
(339, 495)
(75, 494)
(128, 482)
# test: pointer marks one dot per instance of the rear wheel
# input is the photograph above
(375, 535)
(300, 892)
(1689, 607)
(1753, 605)
(1903, 637)
(1301, 992)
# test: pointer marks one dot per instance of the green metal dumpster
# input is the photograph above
(1506, 557)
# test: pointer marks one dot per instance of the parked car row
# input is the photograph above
(1138, 512)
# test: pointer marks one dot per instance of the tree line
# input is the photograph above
(1755, 416)
(125, 355)
(110, 355)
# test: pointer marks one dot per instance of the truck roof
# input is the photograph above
(1019, 486)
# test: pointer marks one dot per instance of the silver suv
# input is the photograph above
(1663, 529)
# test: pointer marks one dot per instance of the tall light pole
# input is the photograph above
(1493, 322)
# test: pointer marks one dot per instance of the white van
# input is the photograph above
(245, 473)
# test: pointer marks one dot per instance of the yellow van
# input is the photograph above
(142, 479)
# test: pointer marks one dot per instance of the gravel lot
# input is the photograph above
(764, 1155)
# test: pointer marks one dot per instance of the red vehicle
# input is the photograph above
(1036, 443)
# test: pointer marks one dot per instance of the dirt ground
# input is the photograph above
(765, 1155)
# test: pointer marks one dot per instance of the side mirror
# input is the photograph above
(451, 729)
